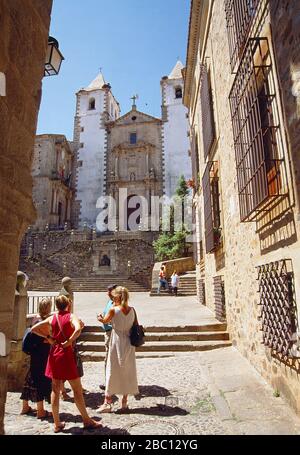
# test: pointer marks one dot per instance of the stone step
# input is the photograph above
(158, 346)
(90, 356)
(169, 336)
(215, 327)
(179, 294)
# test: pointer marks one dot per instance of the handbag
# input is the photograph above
(137, 333)
(30, 342)
(78, 359)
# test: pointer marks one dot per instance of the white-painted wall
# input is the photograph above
(176, 142)
(91, 176)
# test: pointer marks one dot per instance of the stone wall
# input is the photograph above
(245, 246)
(285, 23)
(78, 254)
(181, 266)
(23, 35)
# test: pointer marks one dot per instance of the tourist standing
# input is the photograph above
(175, 282)
(162, 283)
(63, 328)
(107, 327)
(121, 375)
(37, 386)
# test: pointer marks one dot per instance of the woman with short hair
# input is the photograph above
(63, 328)
(37, 386)
(121, 375)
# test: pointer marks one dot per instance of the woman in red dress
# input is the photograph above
(62, 329)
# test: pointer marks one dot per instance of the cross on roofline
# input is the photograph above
(134, 98)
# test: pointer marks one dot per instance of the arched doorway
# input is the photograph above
(133, 219)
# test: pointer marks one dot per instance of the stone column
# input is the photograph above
(24, 65)
(18, 361)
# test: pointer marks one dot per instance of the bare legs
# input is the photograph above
(106, 407)
(41, 412)
(26, 409)
(124, 402)
(56, 388)
(79, 401)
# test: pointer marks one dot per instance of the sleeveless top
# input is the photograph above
(61, 361)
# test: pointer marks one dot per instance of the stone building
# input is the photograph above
(52, 181)
(175, 141)
(23, 66)
(240, 89)
(95, 106)
(134, 164)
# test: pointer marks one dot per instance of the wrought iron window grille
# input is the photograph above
(219, 296)
(212, 212)
(256, 131)
(207, 112)
(240, 15)
(201, 289)
(279, 321)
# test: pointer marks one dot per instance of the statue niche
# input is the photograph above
(104, 261)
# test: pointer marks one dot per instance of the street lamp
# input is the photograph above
(54, 58)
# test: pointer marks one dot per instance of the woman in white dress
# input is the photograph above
(121, 376)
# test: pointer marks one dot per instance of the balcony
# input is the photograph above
(55, 175)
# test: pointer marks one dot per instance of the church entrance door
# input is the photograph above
(133, 206)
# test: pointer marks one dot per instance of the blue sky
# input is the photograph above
(136, 42)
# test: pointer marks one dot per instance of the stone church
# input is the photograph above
(132, 158)
(144, 154)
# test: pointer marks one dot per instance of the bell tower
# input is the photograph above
(96, 105)
(175, 129)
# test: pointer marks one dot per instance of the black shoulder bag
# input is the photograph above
(137, 333)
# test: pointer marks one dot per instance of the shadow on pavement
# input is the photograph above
(159, 410)
(152, 391)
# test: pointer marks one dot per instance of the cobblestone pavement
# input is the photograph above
(182, 394)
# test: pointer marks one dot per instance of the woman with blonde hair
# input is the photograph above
(37, 386)
(121, 376)
(62, 329)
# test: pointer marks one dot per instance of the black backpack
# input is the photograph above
(30, 342)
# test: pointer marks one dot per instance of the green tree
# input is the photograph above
(182, 189)
(172, 244)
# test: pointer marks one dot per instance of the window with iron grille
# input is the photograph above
(212, 218)
(278, 306)
(253, 104)
(201, 291)
(219, 296)
(207, 112)
(195, 161)
(239, 17)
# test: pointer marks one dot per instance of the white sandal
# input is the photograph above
(105, 407)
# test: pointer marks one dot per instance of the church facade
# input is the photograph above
(135, 159)
(137, 152)
(134, 167)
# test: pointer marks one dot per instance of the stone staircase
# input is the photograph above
(160, 341)
(187, 286)
(97, 284)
